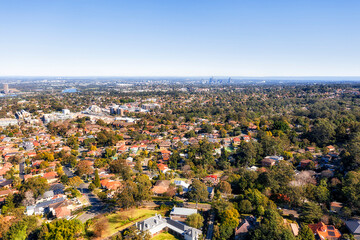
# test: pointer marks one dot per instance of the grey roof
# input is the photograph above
(6, 182)
(30, 207)
(176, 226)
(182, 183)
(183, 211)
(353, 226)
(149, 223)
(47, 203)
(48, 194)
(57, 188)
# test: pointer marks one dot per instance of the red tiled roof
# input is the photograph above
(50, 175)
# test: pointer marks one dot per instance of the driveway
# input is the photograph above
(210, 229)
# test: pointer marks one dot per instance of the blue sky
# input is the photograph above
(180, 37)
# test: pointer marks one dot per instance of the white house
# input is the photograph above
(157, 223)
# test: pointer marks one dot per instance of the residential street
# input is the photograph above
(97, 207)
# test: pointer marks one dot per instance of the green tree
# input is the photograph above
(16, 232)
(75, 181)
(306, 233)
(272, 228)
(224, 187)
(22, 228)
(91, 186)
(198, 191)
(323, 132)
(61, 229)
(351, 189)
(121, 167)
(246, 154)
(224, 162)
(174, 159)
(37, 185)
(229, 219)
(322, 192)
(109, 152)
(143, 188)
(195, 220)
(311, 212)
(97, 179)
(245, 206)
(281, 125)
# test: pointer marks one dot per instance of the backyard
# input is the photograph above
(123, 219)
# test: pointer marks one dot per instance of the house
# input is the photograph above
(161, 187)
(180, 214)
(57, 188)
(236, 141)
(354, 227)
(110, 184)
(294, 229)
(336, 207)
(246, 138)
(211, 192)
(245, 225)
(42, 207)
(305, 163)
(50, 177)
(331, 148)
(253, 168)
(6, 167)
(293, 226)
(151, 147)
(213, 179)
(325, 232)
(60, 209)
(5, 193)
(157, 224)
(165, 144)
(185, 186)
(267, 162)
(28, 146)
(6, 183)
(310, 149)
(48, 195)
(163, 167)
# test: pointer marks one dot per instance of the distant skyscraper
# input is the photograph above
(6, 88)
(211, 80)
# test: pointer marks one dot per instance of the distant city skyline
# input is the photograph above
(180, 38)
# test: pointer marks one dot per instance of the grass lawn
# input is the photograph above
(124, 219)
(229, 149)
(164, 236)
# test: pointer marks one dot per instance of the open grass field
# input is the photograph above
(165, 236)
(124, 219)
